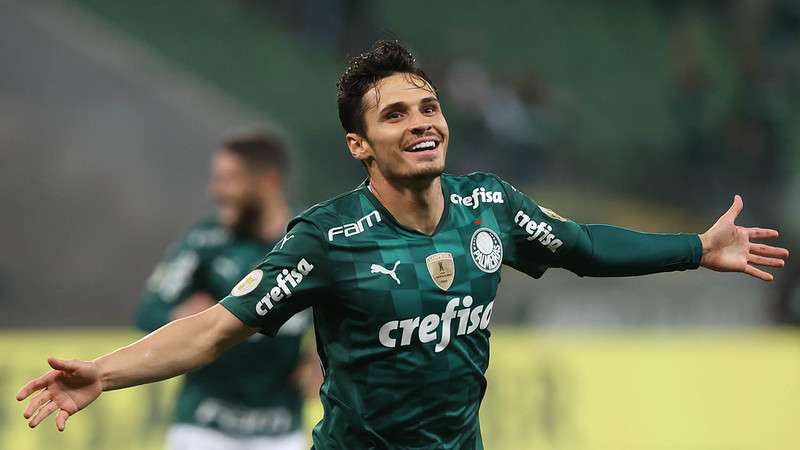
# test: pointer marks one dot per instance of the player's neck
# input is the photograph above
(418, 207)
(274, 217)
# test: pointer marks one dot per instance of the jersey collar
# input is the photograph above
(366, 190)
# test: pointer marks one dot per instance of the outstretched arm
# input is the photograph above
(604, 250)
(728, 247)
(173, 349)
(540, 239)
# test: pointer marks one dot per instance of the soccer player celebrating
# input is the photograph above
(219, 405)
(401, 274)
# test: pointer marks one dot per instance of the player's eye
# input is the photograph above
(429, 109)
(394, 115)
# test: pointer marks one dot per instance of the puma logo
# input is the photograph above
(286, 239)
(375, 268)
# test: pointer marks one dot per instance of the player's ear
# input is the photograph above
(359, 146)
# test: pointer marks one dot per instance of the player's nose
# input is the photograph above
(421, 128)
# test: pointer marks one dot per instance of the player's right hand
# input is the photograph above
(68, 388)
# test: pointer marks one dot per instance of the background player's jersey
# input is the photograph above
(248, 390)
(402, 318)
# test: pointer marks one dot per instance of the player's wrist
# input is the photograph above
(103, 373)
(705, 243)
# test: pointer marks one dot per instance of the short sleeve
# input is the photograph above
(293, 277)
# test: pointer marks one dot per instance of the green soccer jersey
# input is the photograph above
(402, 318)
(247, 391)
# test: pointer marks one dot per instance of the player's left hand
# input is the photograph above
(728, 247)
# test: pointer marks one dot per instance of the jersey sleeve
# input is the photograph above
(176, 277)
(540, 238)
(293, 276)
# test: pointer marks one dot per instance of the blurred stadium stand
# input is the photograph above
(660, 111)
(644, 114)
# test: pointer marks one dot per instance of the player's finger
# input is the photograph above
(768, 250)
(35, 384)
(758, 273)
(36, 402)
(61, 420)
(764, 261)
(762, 233)
(735, 208)
(62, 364)
(42, 414)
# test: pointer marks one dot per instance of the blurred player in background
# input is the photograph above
(402, 274)
(251, 397)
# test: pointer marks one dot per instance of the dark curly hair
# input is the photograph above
(259, 149)
(363, 71)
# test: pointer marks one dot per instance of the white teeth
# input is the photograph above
(426, 144)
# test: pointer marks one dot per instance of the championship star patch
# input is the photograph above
(486, 250)
(248, 283)
(442, 269)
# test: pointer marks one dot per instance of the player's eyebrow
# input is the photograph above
(392, 106)
(401, 104)
(431, 99)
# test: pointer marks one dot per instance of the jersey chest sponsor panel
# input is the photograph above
(387, 292)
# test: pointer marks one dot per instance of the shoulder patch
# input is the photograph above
(248, 283)
(552, 214)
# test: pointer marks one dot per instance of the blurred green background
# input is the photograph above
(647, 114)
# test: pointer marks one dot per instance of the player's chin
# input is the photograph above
(427, 170)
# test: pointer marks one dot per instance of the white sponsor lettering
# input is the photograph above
(478, 196)
(284, 283)
(433, 326)
(226, 268)
(351, 229)
(541, 231)
(207, 238)
(233, 419)
(171, 278)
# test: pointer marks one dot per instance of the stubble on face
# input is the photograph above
(234, 192)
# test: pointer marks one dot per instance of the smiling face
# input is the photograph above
(406, 134)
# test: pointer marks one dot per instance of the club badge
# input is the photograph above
(486, 250)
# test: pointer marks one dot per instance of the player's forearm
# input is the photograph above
(173, 349)
(608, 251)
